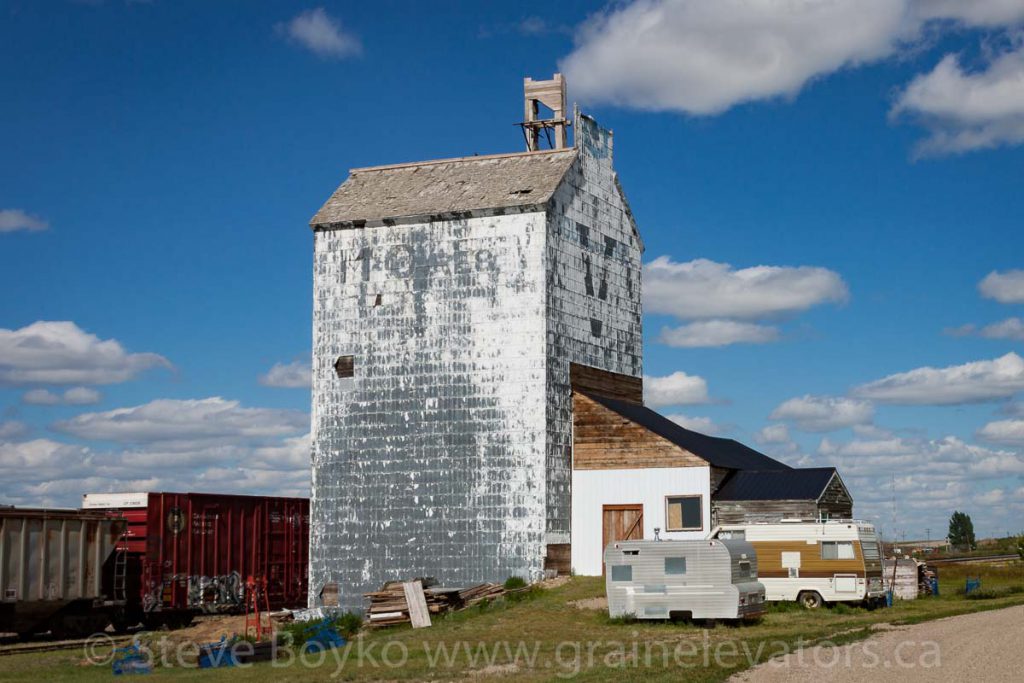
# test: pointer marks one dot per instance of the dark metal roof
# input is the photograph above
(719, 452)
(793, 484)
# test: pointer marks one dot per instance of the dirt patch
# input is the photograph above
(209, 629)
(555, 582)
(590, 603)
(495, 670)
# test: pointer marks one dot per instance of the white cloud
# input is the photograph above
(991, 497)
(773, 434)
(713, 333)
(81, 396)
(40, 397)
(1006, 287)
(704, 289)
(76, 396)
(943, 459)
(45, 472)
(12, 429)
(824, 413)
(1011, 328)
(971, 12)
(703, 425)
(203, 445)
(974, 382)
(702, 57)
(963, 110)
(48, 352)
(185, 423)
(12, 220)
(321, 34)
(676, 389)
(1003, 431)
(294, 375)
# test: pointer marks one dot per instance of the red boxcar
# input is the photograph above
(187, 553)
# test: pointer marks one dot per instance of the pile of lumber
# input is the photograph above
(391, 604)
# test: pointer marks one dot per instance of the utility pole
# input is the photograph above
(928, 534)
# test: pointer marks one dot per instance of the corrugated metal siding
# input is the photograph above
(447, 454)
(710, 588)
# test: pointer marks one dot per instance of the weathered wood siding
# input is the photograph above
(559, 558)
(607, 384)
(836, 501)
(740, 511)
(718, 475)
(603, 439)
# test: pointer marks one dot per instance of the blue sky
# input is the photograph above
(162, 161)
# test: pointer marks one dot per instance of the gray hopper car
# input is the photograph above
(52, 574)
(699, 579)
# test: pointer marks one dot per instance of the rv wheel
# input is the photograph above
(809, 599)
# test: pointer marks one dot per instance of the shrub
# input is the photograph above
(514, 582)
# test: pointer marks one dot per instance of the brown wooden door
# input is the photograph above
(621, 523)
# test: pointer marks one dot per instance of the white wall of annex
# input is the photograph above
(592, 489)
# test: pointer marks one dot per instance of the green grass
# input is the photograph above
(566, 642)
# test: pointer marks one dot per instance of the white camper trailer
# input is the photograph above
(696, 579)
(814, 561)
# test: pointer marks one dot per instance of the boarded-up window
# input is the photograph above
(837, 550)
(684, 513)
(329, 595)
(622, 572)
(345, 366)
(675, 565)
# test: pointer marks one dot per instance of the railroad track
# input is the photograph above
(8, 649)
(970, 560)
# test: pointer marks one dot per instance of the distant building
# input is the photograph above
(464, 310)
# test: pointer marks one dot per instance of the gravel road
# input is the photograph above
(985, 646)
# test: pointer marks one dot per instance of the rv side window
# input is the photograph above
(837, 550)
(736, 535)
(683, 513)
(622, 572)
(675, 565)
(744, 572)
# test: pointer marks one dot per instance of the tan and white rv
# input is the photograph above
(814, 562)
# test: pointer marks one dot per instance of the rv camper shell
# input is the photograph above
(814, 561)
(696, 579)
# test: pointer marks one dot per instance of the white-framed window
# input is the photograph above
(837, 550)
(684, 513)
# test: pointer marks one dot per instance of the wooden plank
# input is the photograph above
(603, 439)
(607, 384)
(419, 615)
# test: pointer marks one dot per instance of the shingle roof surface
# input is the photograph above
(720, 452)
(446, 186)
(793, 484)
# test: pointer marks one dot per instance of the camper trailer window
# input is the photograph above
(736, 535)
(683, 513)
(675, 565)
(837, 550)
(744, 572)
(622, 572)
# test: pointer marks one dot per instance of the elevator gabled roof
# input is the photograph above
(446, 189)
